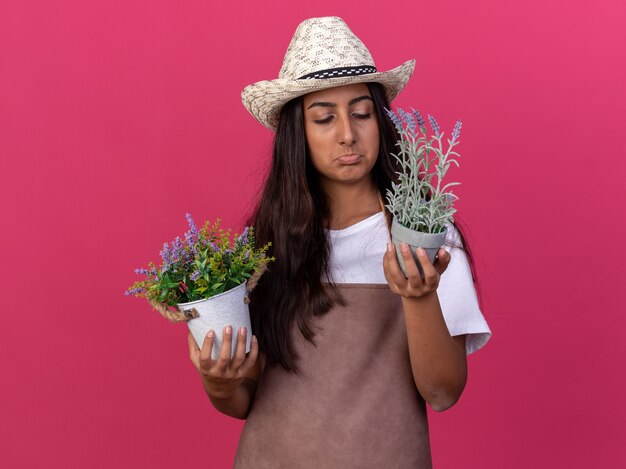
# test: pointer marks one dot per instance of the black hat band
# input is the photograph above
(339, 72)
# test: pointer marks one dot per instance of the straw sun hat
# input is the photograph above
(323, 53)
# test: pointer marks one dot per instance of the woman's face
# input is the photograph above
(341, 132)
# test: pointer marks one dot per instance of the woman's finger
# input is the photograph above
(240, 351)
(223, 361)
(207, 348)
(386, 271)
(431, 277)
(442, 261)
(396, 276)
(252, 356)
(412, 271)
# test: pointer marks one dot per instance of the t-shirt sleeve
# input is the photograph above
(458, 299)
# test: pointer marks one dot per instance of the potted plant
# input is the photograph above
(421, 209)
(205, 280)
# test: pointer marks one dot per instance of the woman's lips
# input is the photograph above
(349, 159)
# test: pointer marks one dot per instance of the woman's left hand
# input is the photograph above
(415, 286)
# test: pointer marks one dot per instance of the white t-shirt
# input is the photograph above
(356, 256)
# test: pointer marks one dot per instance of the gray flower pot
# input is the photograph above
(431, 242)
(216, 313)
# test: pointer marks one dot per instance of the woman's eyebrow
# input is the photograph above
(360, 98)
(327, 104)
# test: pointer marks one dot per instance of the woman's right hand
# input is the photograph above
(222, 376)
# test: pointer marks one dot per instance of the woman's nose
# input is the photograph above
(347, 134)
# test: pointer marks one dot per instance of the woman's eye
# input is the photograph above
(323, 121)
(356, 115)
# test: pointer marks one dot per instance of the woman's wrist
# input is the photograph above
(218, 393)
(237, 404)
(425, 299)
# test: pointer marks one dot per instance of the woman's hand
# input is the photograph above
(222, 376)
(415, 286)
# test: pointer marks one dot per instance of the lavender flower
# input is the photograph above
(205, 241)
(456, 131)
(178, 250)
(408, 118)
(405, 196)
(395, 119)
(418, 116)
(134, 291)
(189, 240)
(166, 254)
(192, 235)
(242, 240)
(230, 264)
(434, 125)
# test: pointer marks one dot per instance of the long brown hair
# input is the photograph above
(290, 214)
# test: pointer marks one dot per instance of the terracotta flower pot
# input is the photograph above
(217, 312)
(431, 242)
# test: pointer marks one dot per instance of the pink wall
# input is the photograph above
(116, 118)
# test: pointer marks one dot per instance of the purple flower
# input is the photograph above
(418, 116)
(243, 237)
(189, 240)
(434, 125)
(408, 118)
(395, 119)
(456, 131)
(192, 235)
(207, 242)
(134, 291)
(178, 250)
(166, 254)
(195, 276)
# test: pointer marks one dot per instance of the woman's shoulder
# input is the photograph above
(453, 238)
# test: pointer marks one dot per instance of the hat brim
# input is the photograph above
(265, 99)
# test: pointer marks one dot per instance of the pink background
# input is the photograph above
(117, 118)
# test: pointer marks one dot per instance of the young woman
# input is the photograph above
(349, 348)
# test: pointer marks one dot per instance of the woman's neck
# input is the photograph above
(351, 203)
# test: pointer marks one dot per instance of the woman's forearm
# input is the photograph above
(439, 365)
(238, 404)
